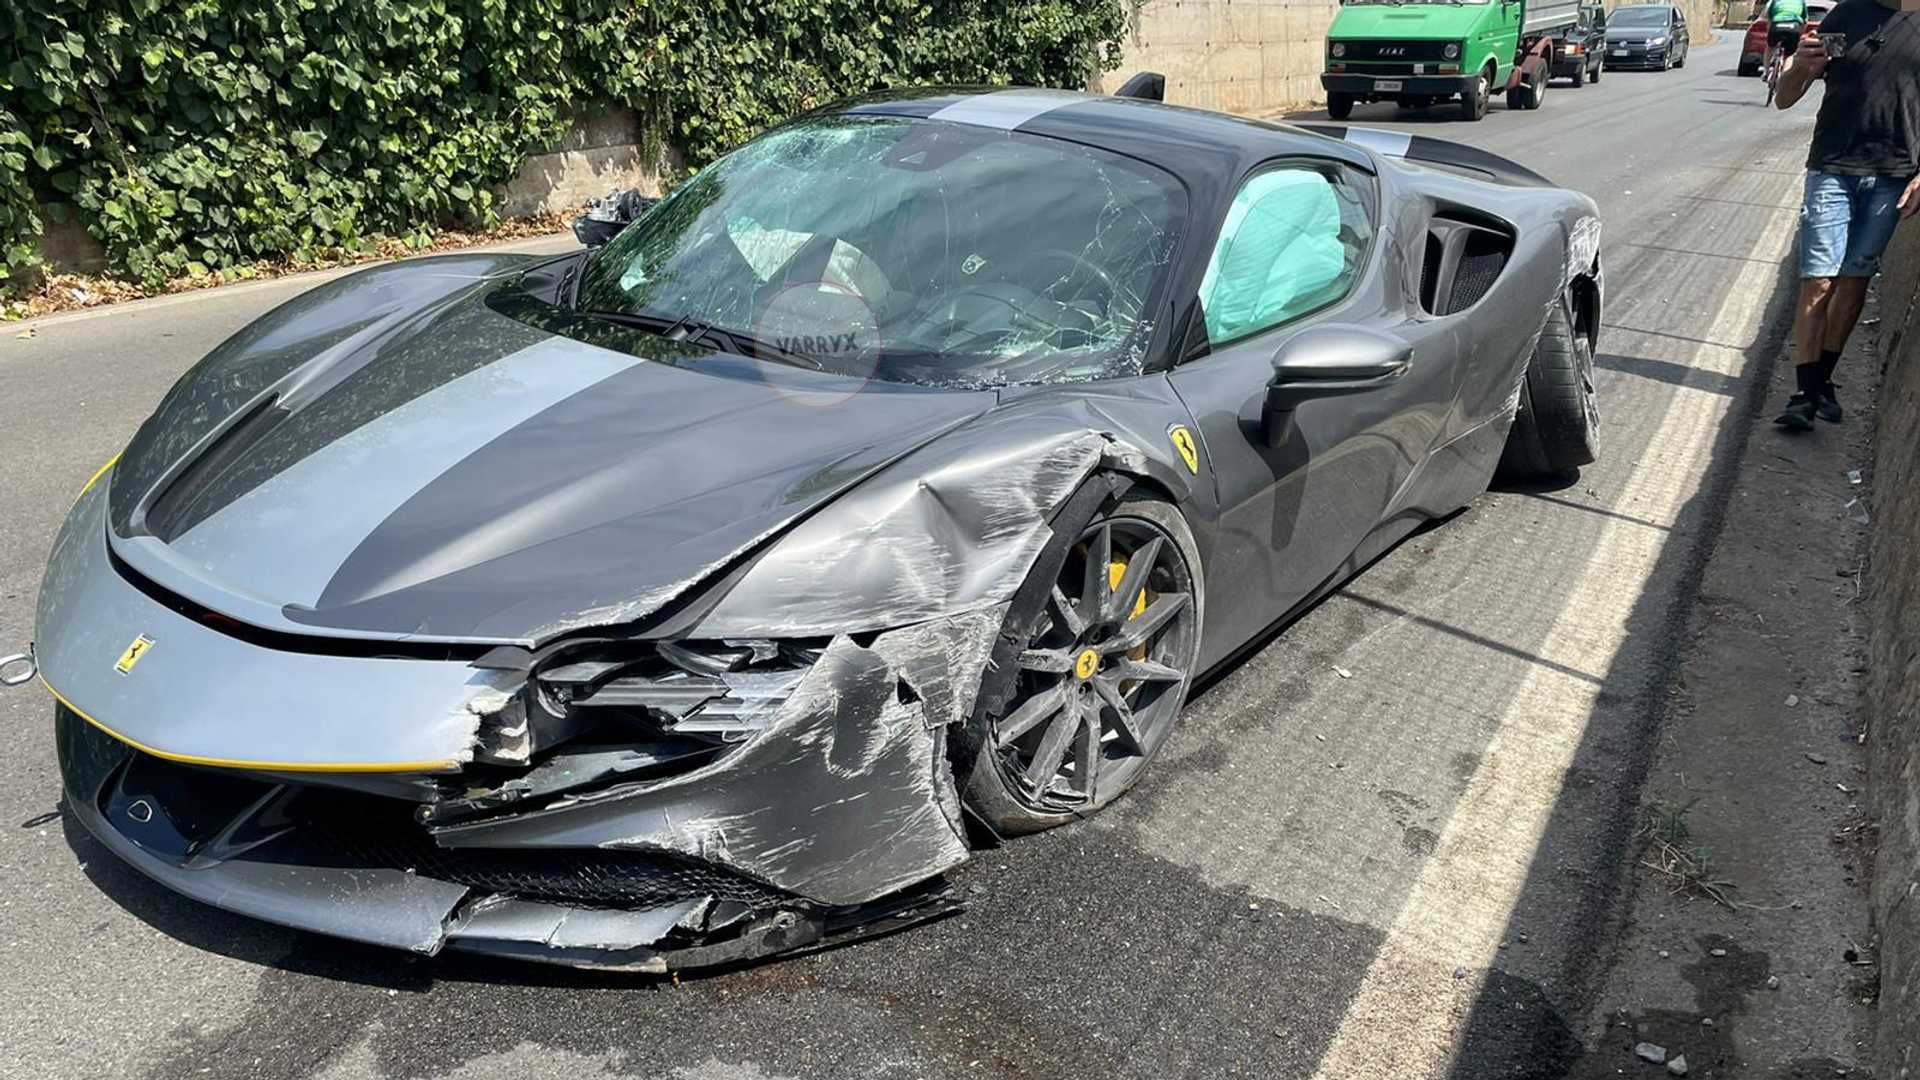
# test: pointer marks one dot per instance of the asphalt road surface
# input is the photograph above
(1386, 845)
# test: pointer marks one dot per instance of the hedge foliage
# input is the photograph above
(196, 134)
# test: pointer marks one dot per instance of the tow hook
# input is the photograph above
(18, 669)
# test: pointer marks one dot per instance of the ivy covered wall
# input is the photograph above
(199, 134)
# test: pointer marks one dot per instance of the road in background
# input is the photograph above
(1387, 844)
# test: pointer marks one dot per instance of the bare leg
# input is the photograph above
(1849, 296)
(1810, 318)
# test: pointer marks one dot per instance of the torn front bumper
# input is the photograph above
(356, 866)
(827, 811)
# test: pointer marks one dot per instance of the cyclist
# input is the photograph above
(1786, 21)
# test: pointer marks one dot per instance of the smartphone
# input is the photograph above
(1836, 45)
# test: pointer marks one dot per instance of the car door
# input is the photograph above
(1292, 253)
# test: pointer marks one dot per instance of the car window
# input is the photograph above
(908, 250)
(1294, 240)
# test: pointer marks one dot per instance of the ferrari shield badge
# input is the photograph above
(133, 654)
(1183, 442)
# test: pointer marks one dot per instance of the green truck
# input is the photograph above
(1420, 54)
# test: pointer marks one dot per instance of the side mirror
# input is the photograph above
(1329, 361)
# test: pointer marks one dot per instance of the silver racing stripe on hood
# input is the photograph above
(1007, 109)
(284, 540)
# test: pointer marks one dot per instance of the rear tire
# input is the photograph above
(1598, 67)
(1026, 701)
(1555, 430)
(1539, 90)
(1580, 77)
(1339, 106)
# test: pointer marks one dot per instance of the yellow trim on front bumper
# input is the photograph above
(257, 766)
(94, 479)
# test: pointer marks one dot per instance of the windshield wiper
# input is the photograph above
(688, 328)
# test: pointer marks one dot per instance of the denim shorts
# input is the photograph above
(1845, 223)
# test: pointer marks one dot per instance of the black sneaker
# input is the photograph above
(1828, 407)
(1798, 415)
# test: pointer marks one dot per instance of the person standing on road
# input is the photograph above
(1863, 178)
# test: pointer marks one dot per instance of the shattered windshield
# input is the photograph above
(906, 250)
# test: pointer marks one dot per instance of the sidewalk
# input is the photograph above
(1756, 791)
(550, 244)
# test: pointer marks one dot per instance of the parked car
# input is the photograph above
(1647, 36)
(666, 605)
(1753, 50)
(1583, 48)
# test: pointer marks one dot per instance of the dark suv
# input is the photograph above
(1583, 47)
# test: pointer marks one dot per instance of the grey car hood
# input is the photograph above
(421, 466)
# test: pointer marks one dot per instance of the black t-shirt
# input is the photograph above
(1870, 119)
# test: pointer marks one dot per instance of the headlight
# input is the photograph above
(1452, 51)
(1339, 49)
(1661, 40)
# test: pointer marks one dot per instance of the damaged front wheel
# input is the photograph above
(1099, 653)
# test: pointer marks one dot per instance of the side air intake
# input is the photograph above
(1463, 259)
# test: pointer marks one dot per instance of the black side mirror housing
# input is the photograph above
(1329, 361)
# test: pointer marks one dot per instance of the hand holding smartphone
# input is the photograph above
(1834, 45)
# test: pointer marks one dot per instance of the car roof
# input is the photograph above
(1193, 144)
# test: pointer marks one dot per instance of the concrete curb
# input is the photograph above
(554, 243)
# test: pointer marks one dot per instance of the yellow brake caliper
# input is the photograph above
(1116, 570)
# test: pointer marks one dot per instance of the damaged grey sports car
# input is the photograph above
(881, 491)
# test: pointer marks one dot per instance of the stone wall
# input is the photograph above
(604, 152)
(1893, 674)
(1243, 56)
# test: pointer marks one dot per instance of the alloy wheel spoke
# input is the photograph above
(1125, 723)
(1065, 614)
(1052, 661)
(1093, 592)
(1136, 632)
(1031, 714)
(1088, 772)
(1053, 747)
(1127, 594)
(1131, 670)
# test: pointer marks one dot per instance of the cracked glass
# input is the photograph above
(906, 250)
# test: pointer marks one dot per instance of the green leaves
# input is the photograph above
(200, 135)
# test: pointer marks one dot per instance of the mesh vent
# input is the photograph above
(1480, 264)
(564, 875)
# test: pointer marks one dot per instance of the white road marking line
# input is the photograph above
(1409, 1013)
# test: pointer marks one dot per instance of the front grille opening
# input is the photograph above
(348, 829)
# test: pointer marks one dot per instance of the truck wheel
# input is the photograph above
(1556, 426)
(1339, 106)
(1538, 91)
(1520, 97)
(1473, 104)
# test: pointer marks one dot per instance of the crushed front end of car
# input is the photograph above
(602, 801)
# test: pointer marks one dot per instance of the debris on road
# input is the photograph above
(1817, 759)
(1793, 701)
(1853, 476)
(1342, 672)
(1649, 1052)
(1678, 1066)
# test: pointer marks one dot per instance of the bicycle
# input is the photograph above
(1777, 52)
